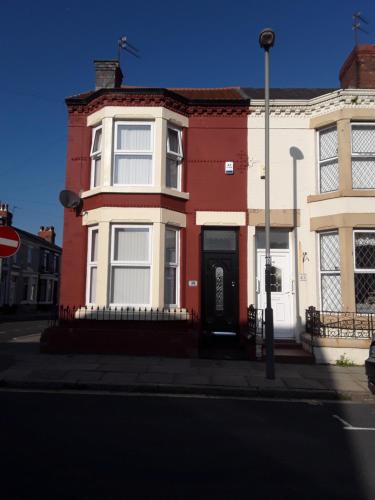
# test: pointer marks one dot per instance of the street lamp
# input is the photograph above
(266, 41)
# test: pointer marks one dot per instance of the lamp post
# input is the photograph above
(266, 41)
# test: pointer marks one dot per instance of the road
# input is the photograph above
(81, 446)
(10, 330)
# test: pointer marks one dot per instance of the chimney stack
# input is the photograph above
(5, 216)
(108, 74)
(358, 71)
(47, 233)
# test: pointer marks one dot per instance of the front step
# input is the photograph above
(286, 351)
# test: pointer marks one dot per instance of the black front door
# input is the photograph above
(220, 281)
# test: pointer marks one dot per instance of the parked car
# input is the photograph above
(370, 367)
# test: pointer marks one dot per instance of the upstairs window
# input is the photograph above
(363, 156)
(174, 158)
(96, 156)
(133, 154)
(328, 162)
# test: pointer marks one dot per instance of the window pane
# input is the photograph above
(92, 293)
(97, 142)
(328, 143)
(363, 173)
(279, 238)
(276, 279)
(219, 289)
(96, 173)
(364, 250)
(329, 252)
(170, 246)
(132, 244)
(172, 173)
(130, 285)
(94, 246)
(363, 139)
(134, 137)
(133, 169)
(173, 141)
(217, 240)
(329, 176)
(365, 292)
(170, 285)
(331, 292)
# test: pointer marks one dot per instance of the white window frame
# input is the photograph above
(172, 155)
(126, 264)
(96, 155)
(90, 263)
(327, 160)
(333, 231)
(123, 152)
(360, 270)
(175, 265)
(359, 155)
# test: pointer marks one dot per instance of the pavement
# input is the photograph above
(23, 366)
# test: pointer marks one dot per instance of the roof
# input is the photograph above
(37, 239)
(286, 93)
(208, 95)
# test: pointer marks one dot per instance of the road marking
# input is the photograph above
(349, 427)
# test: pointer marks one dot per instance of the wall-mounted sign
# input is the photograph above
(193, 283)
(229, 168)
(302, 277)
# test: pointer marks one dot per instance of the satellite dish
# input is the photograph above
(69, 199)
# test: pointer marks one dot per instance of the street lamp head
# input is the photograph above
(267, 38)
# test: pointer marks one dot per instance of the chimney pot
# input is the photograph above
(358, 70)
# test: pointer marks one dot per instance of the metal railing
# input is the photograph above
(255, 322)
(92, 313)
(340, 324)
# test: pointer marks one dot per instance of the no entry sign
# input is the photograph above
(9, 241)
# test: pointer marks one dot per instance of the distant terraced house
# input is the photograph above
(29, 280)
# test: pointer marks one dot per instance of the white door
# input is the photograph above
(281, 288)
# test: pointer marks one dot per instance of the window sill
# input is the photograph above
(345, 193)
(136, 190)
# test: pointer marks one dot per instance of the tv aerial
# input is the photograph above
(69, 199)
(356, 27)
(124, 44)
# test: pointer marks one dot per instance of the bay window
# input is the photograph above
(328, 161)
(92, 265)
(171, 271)
(131, 265)
(364, 270)
(330, 277)
(96, 156)
(133, 153)
(363, 156)
(174, 158)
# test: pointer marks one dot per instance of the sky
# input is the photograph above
(47, 49)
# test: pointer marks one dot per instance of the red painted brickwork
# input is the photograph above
(73, 262)
(358, 71)
(211, 142)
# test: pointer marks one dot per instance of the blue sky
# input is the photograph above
(47, 50)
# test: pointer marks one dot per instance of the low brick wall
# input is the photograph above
(329, 350)
(138, 338)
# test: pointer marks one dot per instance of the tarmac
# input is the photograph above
(22, 366)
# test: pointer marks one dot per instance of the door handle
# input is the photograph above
(233, 283)
(293, 286)
(257, 286)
